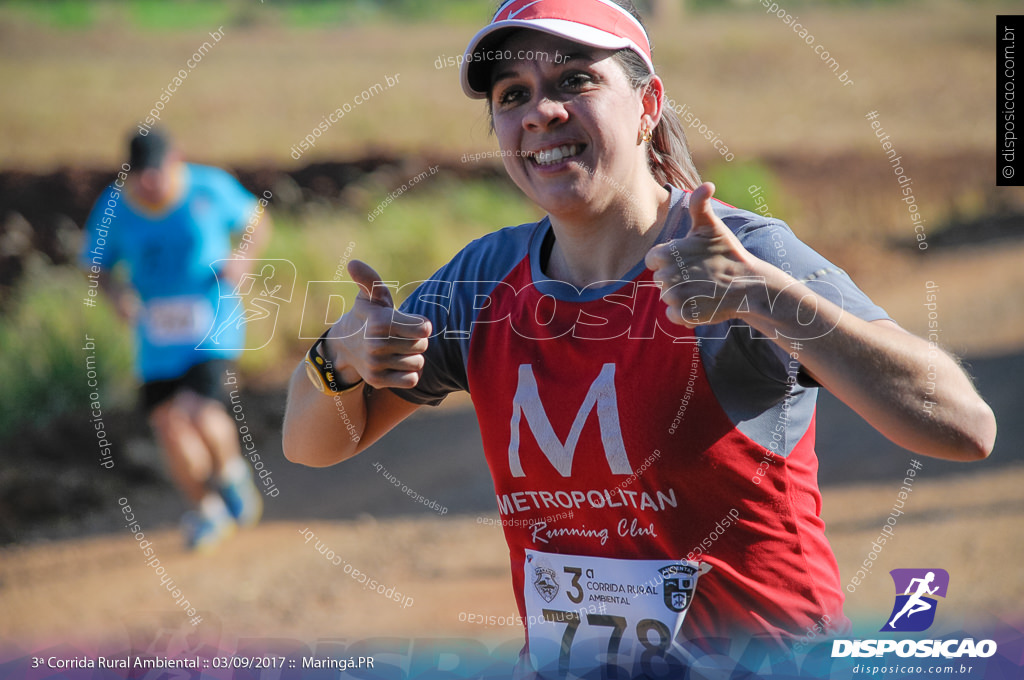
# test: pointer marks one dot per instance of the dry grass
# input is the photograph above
(70, 95)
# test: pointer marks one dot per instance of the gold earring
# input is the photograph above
(647, 135)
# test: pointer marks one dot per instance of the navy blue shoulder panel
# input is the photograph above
(453, 297)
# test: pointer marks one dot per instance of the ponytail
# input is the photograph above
(668, 154)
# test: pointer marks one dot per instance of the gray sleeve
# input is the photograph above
(451, 299)
(760, 387)
(774, 242)
(444, 368)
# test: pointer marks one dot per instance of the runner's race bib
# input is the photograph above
(177, 320)
(607, 618)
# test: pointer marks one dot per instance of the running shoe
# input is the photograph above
(243, 500)
(203, 533)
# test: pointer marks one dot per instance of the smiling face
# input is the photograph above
(569, 131)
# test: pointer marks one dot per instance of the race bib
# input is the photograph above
(177, 320)
(595, 612)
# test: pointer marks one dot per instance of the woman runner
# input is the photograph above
(644, 355)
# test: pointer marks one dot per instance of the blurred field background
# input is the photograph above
(78, 76)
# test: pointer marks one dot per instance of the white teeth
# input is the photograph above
(552, 156)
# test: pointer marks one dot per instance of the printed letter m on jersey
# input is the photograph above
(600, 396)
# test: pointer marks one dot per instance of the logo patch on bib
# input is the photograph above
(680, 581)
(546, 582)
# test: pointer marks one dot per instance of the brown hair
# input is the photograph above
(668, 154)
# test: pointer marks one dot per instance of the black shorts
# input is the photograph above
(206, 379)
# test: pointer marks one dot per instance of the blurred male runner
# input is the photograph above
(166, 225)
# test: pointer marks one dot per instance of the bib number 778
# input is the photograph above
(606, 616)
(618, 624)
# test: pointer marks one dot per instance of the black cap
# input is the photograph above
(148, 150)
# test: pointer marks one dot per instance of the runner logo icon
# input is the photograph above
(914, 609)
(248, 309)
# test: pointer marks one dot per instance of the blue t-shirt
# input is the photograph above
(170, 259)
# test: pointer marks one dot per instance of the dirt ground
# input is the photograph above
(270, 583)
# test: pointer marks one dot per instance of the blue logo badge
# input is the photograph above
(916, 589)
